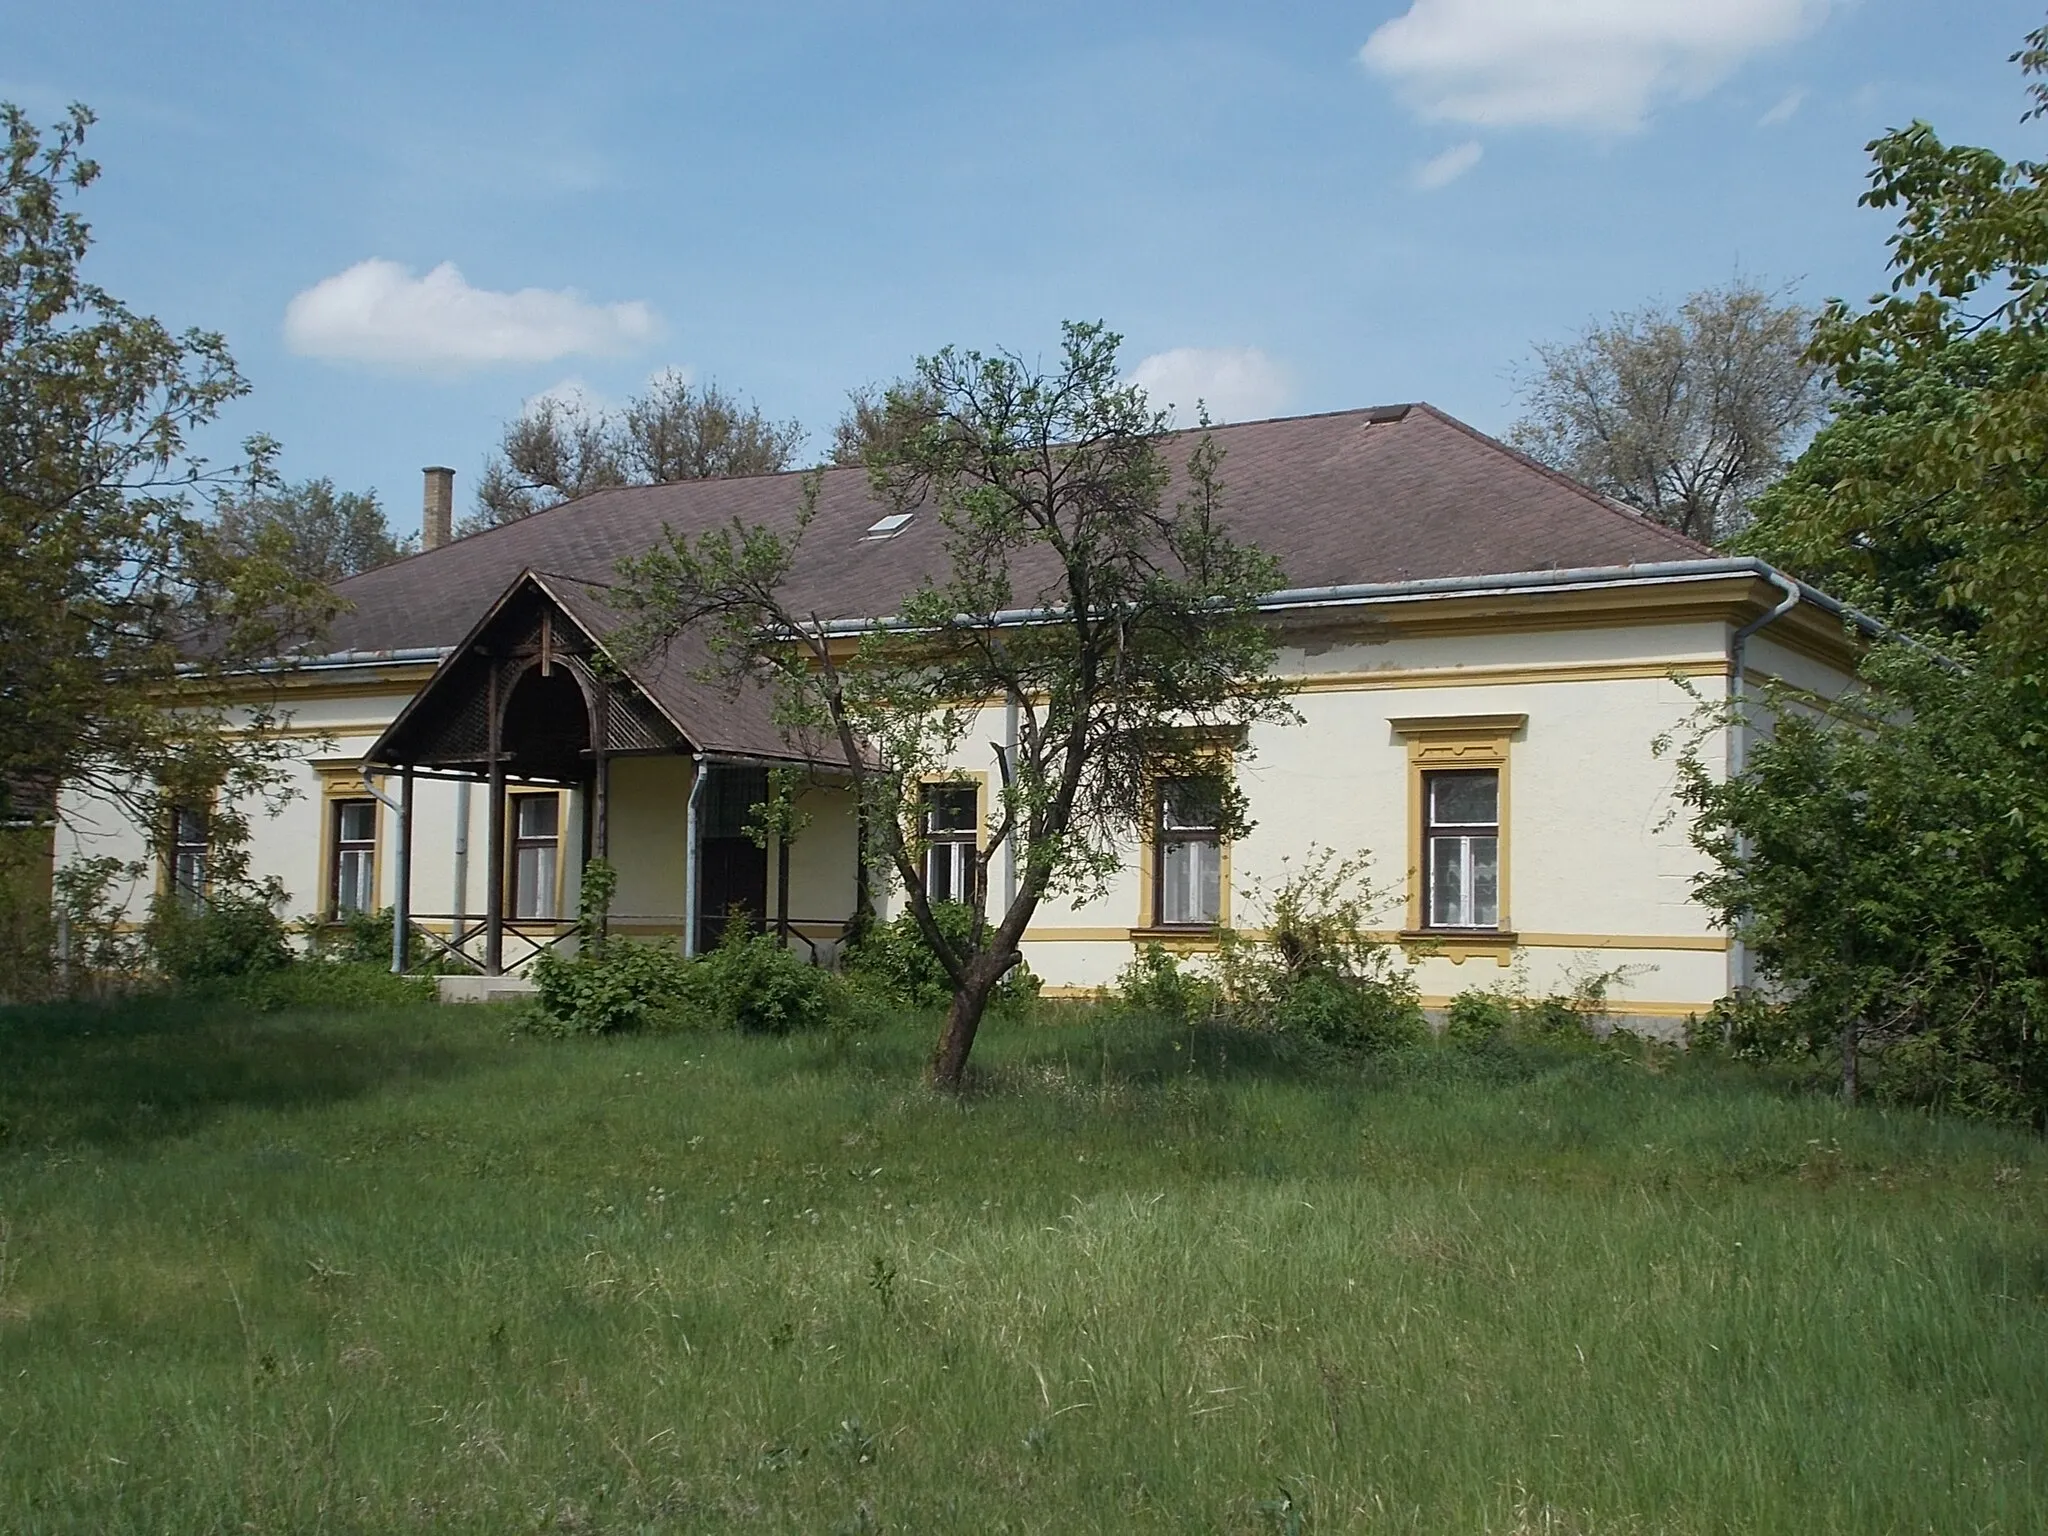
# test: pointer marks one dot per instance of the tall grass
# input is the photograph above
(403, 1269)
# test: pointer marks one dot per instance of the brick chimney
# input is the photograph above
(437, 514)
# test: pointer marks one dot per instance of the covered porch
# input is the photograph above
(582, 754)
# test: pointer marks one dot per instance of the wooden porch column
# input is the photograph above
(494, 834)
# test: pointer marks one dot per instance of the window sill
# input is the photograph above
(1458, 945)
(1180, 939)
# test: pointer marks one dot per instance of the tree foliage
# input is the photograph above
(1087, 578)
(557, 450)
(319, 534)
(1887, 862)
(878, 423)
(120, 600)
(1890, 875)
(1684, 415)
(1932, 489)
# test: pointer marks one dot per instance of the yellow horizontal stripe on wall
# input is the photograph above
(1621, 1009)
(1475, 677)
(1708, 942)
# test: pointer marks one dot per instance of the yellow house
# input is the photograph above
(1484, 653)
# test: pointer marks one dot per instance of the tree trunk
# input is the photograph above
(1849, 1083)
(963, 1018)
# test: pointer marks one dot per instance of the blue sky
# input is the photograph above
(1283, 209)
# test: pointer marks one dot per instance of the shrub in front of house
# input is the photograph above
(364, 938)
(757, 985)
(1315, 972)
(750, 983)
(1156, 985)
(893, 962)
(231, 932)
(617, 985)
(1477, 1018)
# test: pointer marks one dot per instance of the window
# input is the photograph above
(1188, 855)
(1461, 849)
(952, 831)
(887, 527)
(353, 883)
(536, 854)
(191, 847)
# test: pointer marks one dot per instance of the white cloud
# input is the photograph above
(1235, 383)
(1441, 170)
(1596, 64)
(378, 312)
(1782, 112)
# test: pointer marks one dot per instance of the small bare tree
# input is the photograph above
(1686, 416)
(557, 450)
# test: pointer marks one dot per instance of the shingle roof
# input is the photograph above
(712, 717)
(1389, 494)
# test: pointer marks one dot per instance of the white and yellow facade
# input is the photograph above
(1557, 684)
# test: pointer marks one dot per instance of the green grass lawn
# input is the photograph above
(402, 1270)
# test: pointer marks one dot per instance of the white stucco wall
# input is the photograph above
(1598, 867)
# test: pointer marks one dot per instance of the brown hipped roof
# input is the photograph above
(1400, 493)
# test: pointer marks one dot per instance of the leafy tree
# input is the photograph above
(1683, 415)
(557, 450)
(1138, 656)
(1888, 863)
(1933, 487)
(316, 532)
(1889, 872)
(119, 599)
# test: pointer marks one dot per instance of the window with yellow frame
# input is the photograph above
(351, 844)
(1458, 824)
(1184, 857)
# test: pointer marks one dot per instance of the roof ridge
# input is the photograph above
(1605, 503)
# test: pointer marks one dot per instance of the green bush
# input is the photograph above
(1317, 973)
(1154, 985)
(229, 933)
(750, 983)
(1478, 1018)
(617, 985)
(1349, 1013)
(757, 986)
(892, 960)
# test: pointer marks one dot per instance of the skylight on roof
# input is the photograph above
(887, 527)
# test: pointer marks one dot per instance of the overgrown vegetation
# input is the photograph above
(1310, 969)
(1886, 859)
(376, 1269)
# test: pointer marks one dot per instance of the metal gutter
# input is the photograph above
(334, 661)
(1576, 578)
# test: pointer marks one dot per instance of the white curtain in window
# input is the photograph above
(1190, 882)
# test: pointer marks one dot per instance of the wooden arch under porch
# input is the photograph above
(532, 699)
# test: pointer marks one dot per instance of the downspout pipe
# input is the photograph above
(1010, 707)
(401, 902)
(692, 843)
(1739, 978)
(461, 907)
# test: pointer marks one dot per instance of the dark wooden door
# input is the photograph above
(734, 888)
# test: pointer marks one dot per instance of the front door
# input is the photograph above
(732, 870)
